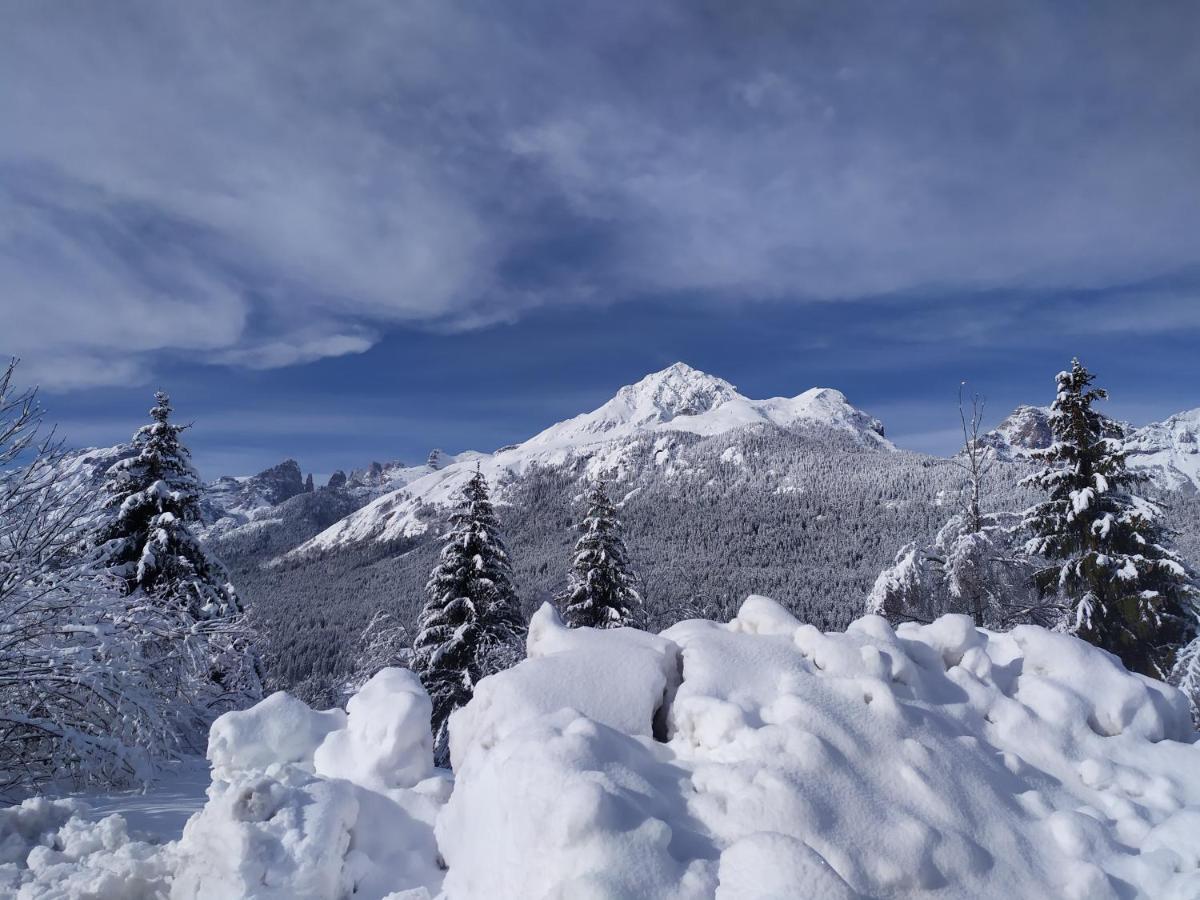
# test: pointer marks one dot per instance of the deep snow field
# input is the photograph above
(754, 759)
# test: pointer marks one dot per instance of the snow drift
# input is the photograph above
(754, 759)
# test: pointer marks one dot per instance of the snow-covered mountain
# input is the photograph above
(676, 399)
(1025, 429)
(381, 478)
(680, 398)
(242, 496)
(1168, 452)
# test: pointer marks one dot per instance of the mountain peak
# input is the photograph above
(678, 390)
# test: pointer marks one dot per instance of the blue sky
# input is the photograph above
(355, 231)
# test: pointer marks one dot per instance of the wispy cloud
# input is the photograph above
(267, 184)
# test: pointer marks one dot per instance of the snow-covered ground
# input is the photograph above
(161, 812)
(754, 759)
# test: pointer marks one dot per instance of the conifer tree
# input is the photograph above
(600, 588)
(471, 626)
(148, 546)
(1123, 589)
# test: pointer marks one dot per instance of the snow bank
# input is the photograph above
(569, 808)
(269, 836)
(934, 760)
(742, 761)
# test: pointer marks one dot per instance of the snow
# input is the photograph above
(618, 677)
(1169, 451)
(759, 758)
(161, 813)
(677, 399)
(347, 806)
(49, 850)
(386, 741)
(280, 730)
(937, 760)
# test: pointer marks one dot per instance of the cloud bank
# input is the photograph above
(267, 184)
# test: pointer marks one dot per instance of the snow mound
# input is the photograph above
(386, 741)
(619, 677)
(308, 804)
(938, 760)
(265, 836)
(568, 808)
(280, 730)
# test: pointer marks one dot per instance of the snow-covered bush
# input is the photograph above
(984, 574)
(78, 703)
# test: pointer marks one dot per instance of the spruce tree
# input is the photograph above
(600, 588)
(1123, 589)
(471, 626)
(149, 548)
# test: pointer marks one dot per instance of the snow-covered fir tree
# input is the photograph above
(600, 589)
(1123, 589)
(471, 625)
(149, 548)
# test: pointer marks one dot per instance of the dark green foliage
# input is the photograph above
(600, 588)
(471, 626)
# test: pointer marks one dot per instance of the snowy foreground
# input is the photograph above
(757, 759)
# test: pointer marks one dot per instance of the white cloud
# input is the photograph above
(276, 354)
